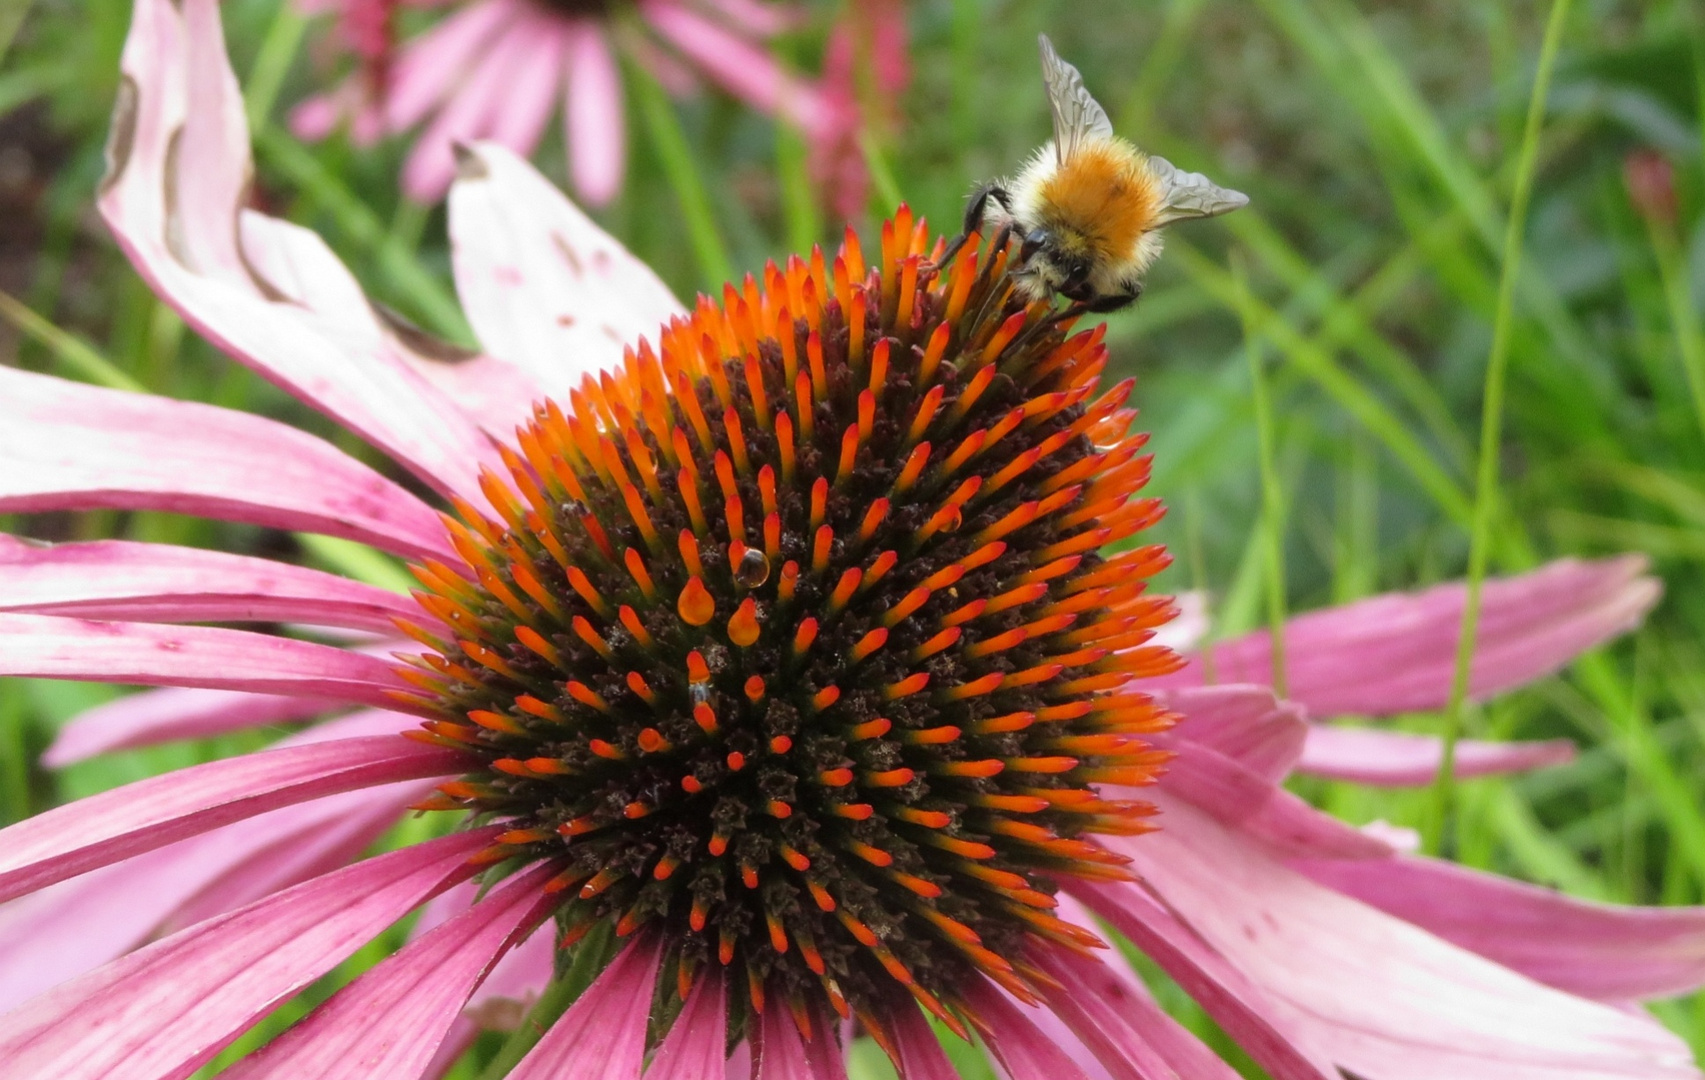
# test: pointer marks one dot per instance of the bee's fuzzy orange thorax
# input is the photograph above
(1103, 197)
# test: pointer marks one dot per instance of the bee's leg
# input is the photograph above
(975, 210)
(1118, 301)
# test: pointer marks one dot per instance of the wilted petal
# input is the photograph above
(149, 654)
(1397, 653)
(390, 1021)
(697, 1042)
(602, 1037)
(120, 579)
(1379, 996)
(1396, 759)
(1608, 952)
(595, 127)
(167, 1009)
(545, 288)
(68, 446)
(173, 199)
(147, 814)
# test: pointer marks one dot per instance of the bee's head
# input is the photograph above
(1050, 262)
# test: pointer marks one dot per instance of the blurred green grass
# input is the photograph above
(1378, 142)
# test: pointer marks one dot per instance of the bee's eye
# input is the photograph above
(1034, 240)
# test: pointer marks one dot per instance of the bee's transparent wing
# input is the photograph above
(1190, 194)
(1076, 114)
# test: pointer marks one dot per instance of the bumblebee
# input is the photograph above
(1089, 206)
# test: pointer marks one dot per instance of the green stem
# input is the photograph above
(589, 958)
(71, 350)
(272, 63)
(1272, 497)
(884, 186)
(1491, 428)
(669, 142)
(798, 198)
(1684, 321)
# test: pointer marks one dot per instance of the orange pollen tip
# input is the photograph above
(911, 684)
(825, 697)
(695, 604)
(755, 688)
(743, 628)
(855, 811)
(781, 744)
(705, 717)
(836, 777)
(890, 778)
(779, 809)
(736, 760)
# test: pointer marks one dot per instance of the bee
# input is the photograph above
(1089, 206)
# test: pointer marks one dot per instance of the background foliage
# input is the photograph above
(1379, 143)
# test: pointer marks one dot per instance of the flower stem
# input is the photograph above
(670, 143)
(1491, 428)
(272, 63)
(1272, 496)
(589, 959)
(72, 351)
(1684, 321)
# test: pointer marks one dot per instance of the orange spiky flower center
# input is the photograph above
(795, 639)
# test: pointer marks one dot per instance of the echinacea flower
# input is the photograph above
(778, 671)
(496, 69)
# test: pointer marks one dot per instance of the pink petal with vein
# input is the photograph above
(917, 1052)
(120, 579)
(148, 814)
(429, 67)
(64, 930)
(1396, 653)
(167, 1009)
(1396, 759)
(531, 94)
(595, 129)
(1603, 951)
(602, 1037)
(177, 221)
(747, 72)
(515, 983)
(67, 446)
(1112, 1017)
(1245, 723)
(545, 288)
(470, 113)
(1021, 1048)
(147, 654)
(695, 1045)
(390, 1021)
(1380, 996)
(156, 716)
(781, 1052)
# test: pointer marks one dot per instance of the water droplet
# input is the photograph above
(754, 569)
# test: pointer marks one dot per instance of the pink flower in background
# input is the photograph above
(866, 69)
(148, 927)
(498, 69)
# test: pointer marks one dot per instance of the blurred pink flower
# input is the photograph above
(866, 69)
(149, 926)
(496, 69)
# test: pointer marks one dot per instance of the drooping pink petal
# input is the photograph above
(64, 930)
(1603, 951)
(916, 1052)
(1381, 997)
(545, 288)
(1397, 759)
(167, 1009)
(533, 85)
(149, 654)
(594, 127)
(1021, 1049)
(429, 67)
(148, 814)
(1243, 722)
(781, 1052)
(743, 69)
(120, 579)
(1397, 653)
(469, 113)
(390, 1021)
(156, 716)
(515, 983)
(695, 1045)
(178, 222)
(65, 446)
(602, 1037)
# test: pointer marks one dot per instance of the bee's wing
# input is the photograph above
(1190, 194)
(1076, 114)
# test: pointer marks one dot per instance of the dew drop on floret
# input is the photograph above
(804, 639)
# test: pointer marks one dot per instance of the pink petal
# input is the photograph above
(1381, 997)
(695, 1046)
(1397, 653)
(156, 716)
(756, 18)
(1187, 628)
(390, 1021)
(1022, 1050)
(430, 66)
(602, 1037)
(166, 1010)
(781, 1052)
(1607, 952)
(534, 79)
(64, 930)
(66, 446)
(595, 130)
(470, 112)
(515, 983)
(177, 221)
(147, 814)
(1242, 722)
(916, 1052)
(49, 647)
(545, 288)
(747, 72)
(1395, 759)
(119, 579)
